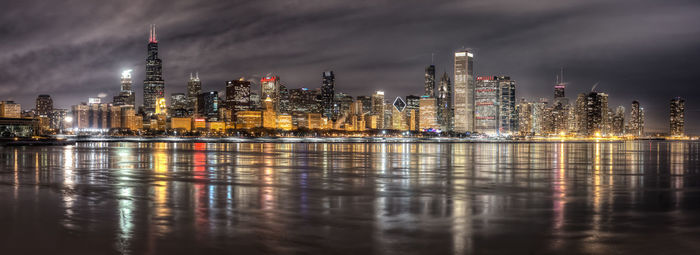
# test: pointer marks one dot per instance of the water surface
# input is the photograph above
(359, 198)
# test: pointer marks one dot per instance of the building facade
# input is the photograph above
(463, 92)
(153, 85)
(677, 117)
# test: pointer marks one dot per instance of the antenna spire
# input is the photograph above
(152, 37)
(562, 75)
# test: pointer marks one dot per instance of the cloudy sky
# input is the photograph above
(647, 50)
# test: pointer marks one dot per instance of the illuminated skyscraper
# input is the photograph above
(270, 88)
(444, 103)
(238, 95)
(126, 95)
(463, 92)
(428, 114)
(525, 110)
(328, 95)
(194, 88)
(618, 122)
(486, 99)
(507, 115)
(178, 105)
(596, 112)
(636, 123)
(378, 108)
(398, 118)
(677, 117)
(153, 85)
(429, 81)
(284, 105)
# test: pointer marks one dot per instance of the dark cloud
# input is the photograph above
(646, 50)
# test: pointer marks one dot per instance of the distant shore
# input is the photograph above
(342, 140)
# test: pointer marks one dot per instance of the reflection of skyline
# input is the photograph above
(389, 196)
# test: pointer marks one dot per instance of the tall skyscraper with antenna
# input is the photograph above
(153, 85)
(194, 88)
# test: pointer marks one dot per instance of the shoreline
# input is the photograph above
(340, 140)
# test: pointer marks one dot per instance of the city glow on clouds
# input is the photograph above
(79, 49)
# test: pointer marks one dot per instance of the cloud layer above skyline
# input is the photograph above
(644, 50)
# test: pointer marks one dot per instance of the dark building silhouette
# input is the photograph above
(328, 95)
(430, 81)
(44, 105)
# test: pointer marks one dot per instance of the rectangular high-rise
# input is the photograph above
(429, 81)
(444, 103)
(486, 105)
(328, 95)
(238, 95)
(378, 108)
(677, 117)
(463, 92)
(508, 116)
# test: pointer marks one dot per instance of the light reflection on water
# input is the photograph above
(178, 198)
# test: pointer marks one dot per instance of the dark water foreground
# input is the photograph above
(197, 198)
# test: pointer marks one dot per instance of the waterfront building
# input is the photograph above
(216, 126)
(463, 92)
(58, 119)
(507, 115)
(179, 104)
(284, 105)
(238, 95)
(378, 108)
(618, 121)
(10, 109)
(314, 120)
(248, 119)
(270, 88)
(126, 94)
(398, 118)
(428, 114)
(44, 105)
(181, 123)
(596, 112)
(486, 97)
(366, 104)
(194, 88)
(153, 85)
(444, 103)
(269, 114)
(412, 112)
(677, 117)
(429, 81)
(255, 101)
(525, 113)
(284, 122)
(636, 121)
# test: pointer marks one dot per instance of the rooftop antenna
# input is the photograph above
(594, 86)
(562, 75)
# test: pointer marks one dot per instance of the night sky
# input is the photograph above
(647, 50)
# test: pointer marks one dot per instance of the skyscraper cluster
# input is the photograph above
(461, 104)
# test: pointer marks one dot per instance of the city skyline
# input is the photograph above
(395, 73)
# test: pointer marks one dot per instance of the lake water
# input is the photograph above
(359, 198)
